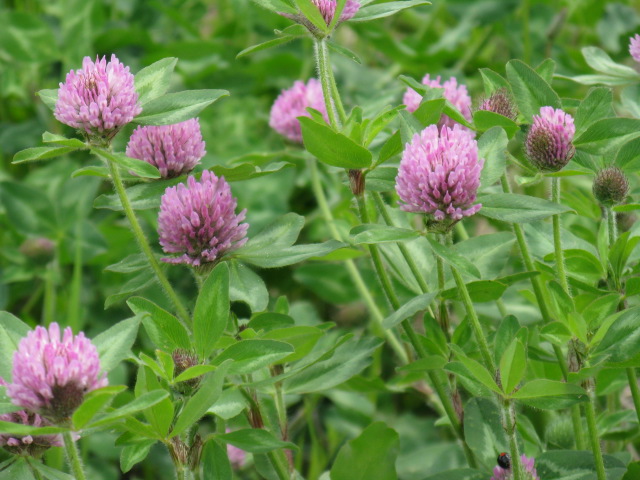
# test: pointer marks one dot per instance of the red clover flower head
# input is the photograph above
(237, 457)
(28, 444)
(99, 98)
(52, 372)
(456, 94)
(328, 9)
(528, 466)
(292, 103)
(634, 47)
(198, 221)
(549, 144)
(439, 175)
(173, 149)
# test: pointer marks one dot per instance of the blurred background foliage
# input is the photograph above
(42, 40)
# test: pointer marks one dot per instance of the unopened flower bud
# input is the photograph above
(500, 102)
(610, 187)
(549, 144)
(183, 360)
(39, 249)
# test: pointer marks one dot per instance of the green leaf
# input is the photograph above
(505, 334)
(143, 402)
(597, 105)
(211, 312)
(483, 430)
(377, 233)
(312, 13)
(302, 338)
(283, 232)
(453, 258)
(49, 97)
(628, 157)
(47, 472)
(409, 309)
(333, 148)
(550, 394)
(480, 373)
(93, 403)
(12, 330)
(512, 366)
(485, 120)
(18, 470)
(177, 107)
(516, 208)
(288, 34)
(492, 146)
(160, 415)
(138, 167)
(61, 141)
(255, 440)
(40, 153)
(136, 453)
(607, 135)
(530, 90)
(276, 5)
(165, 330)
(345, 52)
(430, 362)
(215, 462)
(251, 355)
(381, 10)
(370, 456)
(349, 359)
(247, 286)
(621, 341)
(193, 372)
(209, 391)
(574, 465)
(114, 344)
(493, 81)
(598, 59)
(281, 257)
(154, 80)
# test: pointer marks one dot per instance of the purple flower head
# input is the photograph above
(549, 144)
(173, 149)
(634, 47)
(99, 99)
(456, 94)
(237, 457)
(328, 9)
(52, 373)
(528, 468)
(439, 174)
(293, 103)
(500, 102)
(198, 221)
(28, 444)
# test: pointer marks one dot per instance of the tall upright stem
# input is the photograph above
(474, 321)
(593, 436)
(73, 457)
(375, 312)
(509, 417)
(143, 243)
(557, 240)
(324, 71)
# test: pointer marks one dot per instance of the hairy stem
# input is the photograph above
(557, 240)
(325, 74)
(593, 436)
(73, 456)
(143, 243)
(509, 416)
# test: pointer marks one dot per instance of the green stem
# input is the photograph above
(443, 313)
(73, 316)
(612, 228)
(278, 466)
(324, 71)
(557, 240)
(475, 322)
(142, 241)
(509, 414)
(544, 301)
(362, 288)
(336, 97)
(50, 297)
(593, 436)
(635, 392)
(73, 457)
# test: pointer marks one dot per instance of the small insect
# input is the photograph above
(504, 460)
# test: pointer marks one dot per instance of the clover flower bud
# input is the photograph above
(27, 445)
(39, 249)
(52, 373)
(634, 47)
(99, 99)
(292, 103)
(456, 94)
(198, 222)
(500, 102)
(183, 360)
(528, 467)
(173, 149)
(610, 187)
(439, 176)
(549, 144)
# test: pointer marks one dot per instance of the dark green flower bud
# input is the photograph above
(610, 187)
